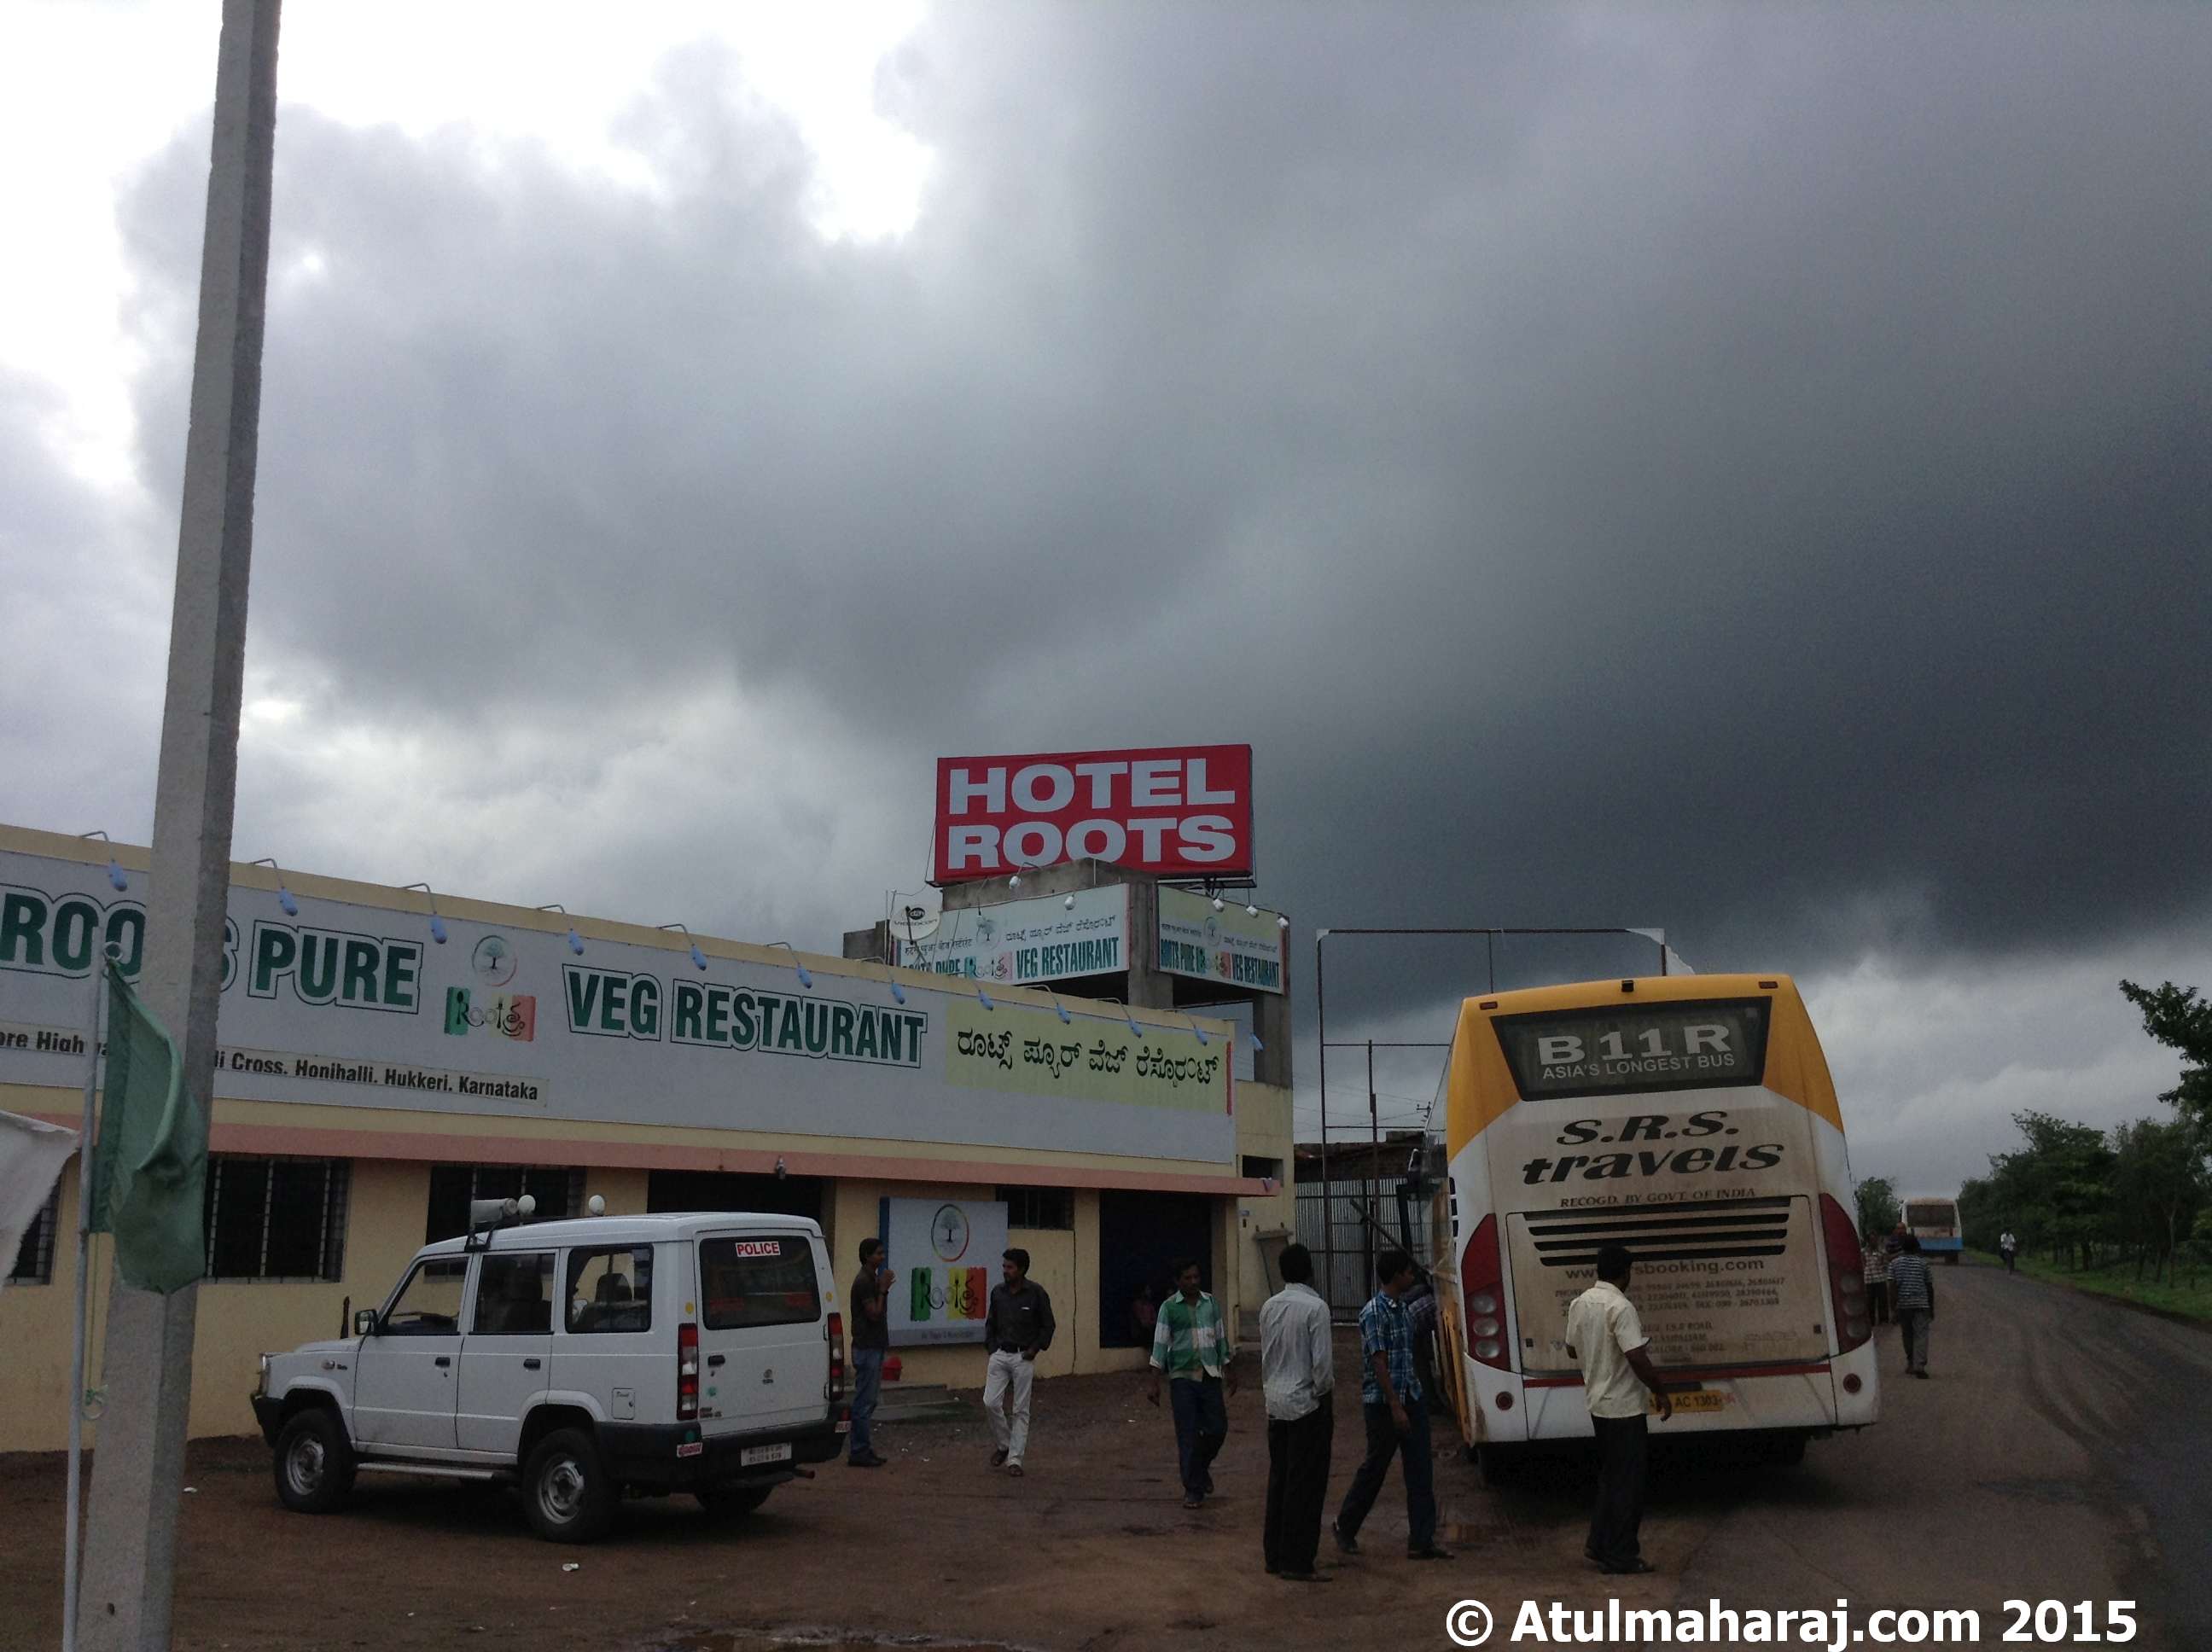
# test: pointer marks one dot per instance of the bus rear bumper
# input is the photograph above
(1813, 1399)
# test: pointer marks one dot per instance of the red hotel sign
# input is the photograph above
(1183, 812)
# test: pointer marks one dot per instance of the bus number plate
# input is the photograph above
(1699, 1399)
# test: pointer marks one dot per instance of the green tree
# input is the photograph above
(2054, 1194)
(2158, 1188)
(2177, 1018)
(1879, 1211)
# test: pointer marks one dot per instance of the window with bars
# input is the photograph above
(558, 1192)
(1051, 1208)
(276, 1218)
(34, 1262)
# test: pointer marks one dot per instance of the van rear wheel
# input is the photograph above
(728, 1502)
(566, 1488)
(314, 1463)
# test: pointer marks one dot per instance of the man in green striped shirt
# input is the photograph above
(1192, 1345)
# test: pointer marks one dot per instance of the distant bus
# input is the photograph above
(1691, 1119)
(1933, 1219)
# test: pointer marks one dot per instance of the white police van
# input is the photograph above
(580, 1360)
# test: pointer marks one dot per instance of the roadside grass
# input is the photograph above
(2189, 1298)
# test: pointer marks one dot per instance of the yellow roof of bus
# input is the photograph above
(1479, 1088)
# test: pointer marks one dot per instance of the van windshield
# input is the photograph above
(757, 1281)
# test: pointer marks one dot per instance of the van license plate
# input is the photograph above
(1699, 1400)
(764, 1454)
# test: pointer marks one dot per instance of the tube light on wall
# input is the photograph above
(115, 877)
(437, 924)
(806, 979)
(283, 896)
(575, 941)
(697, 956)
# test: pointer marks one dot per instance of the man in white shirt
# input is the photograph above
(1609, 1344)
(1298, 1372)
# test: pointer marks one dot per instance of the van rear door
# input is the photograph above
(764, 1340)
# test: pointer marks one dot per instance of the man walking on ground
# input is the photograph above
(1017, 1327)
(1913, 1289)
(1297, 1372)
(2007, 1247)
(1397, 1414)
(1190, 1344)
(872, 1340)
(1609, 1344)
(1877, 1283)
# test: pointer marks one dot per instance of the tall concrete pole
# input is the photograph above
(138, 1467)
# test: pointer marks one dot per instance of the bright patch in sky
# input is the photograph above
(93, 91)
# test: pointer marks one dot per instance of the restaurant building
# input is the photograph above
(388, 1054)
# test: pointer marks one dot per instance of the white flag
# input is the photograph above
(32, 1154)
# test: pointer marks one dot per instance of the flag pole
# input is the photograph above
(73, 1539)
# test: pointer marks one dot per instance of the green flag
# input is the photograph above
(150, 1170)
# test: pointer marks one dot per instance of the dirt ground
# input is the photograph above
(1965, 1493)
(1091, 1547)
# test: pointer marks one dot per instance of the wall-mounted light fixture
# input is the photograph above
(1127, 1019)
(283, 896)
(575, 941)
(697, 956)
(115, 876)
(806, 979)
(437, 924)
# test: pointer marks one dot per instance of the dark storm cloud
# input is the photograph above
(1744, 470)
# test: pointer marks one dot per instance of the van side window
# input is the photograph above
(515, 1295)
(610, 1289)
(429, 1303)
(767, 1281)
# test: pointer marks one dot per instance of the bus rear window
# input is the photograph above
(1633, 1048)
(1944, 1216)
(757, 1280)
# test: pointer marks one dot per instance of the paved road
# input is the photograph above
(2063, 1451)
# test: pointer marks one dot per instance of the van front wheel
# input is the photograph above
(314, 1463)
(566, 1488)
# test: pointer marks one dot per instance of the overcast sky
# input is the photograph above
(1742, 470)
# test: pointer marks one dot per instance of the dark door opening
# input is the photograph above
(733, 1190)
(1141, 1236)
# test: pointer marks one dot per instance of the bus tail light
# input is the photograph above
(1846, 1281)
(833, 1389)
(1482, 1281)
(687, 1372)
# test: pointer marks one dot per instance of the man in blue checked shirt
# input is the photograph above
(1397, 1415)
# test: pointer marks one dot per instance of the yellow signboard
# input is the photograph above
(1030, 1052)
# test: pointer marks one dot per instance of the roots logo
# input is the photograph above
(504, 1015)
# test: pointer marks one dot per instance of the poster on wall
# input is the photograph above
(945, 1254)
(1017, 943)
(1230, 946)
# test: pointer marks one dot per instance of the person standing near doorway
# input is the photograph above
(1609, 1344)
(1017, 1327)
(1297, 1372)
(1191, 1344)
(872, 1340)
(1913, 1289)
(1397, 1414)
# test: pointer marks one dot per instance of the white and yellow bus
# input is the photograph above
(1691, 1119)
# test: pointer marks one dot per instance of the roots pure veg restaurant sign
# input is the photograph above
(1181, 811)
(945, 1253)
